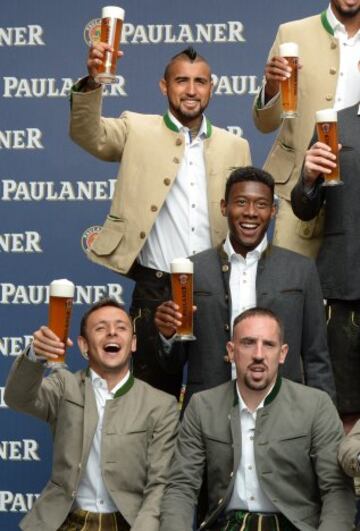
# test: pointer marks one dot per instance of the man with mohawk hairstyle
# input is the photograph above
(172, 175)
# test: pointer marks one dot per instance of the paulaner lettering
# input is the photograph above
(17, 294)
(11, 190)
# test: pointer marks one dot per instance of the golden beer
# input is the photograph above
(289, 87)
(112, 18)
(327, 133)
(182, 270)
(60, 306)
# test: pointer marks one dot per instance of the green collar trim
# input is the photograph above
(274, 392)
(326, 24)
(170, 125)
(126, 387)
(270, 397)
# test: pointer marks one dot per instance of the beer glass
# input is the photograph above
(289, 87)
(182, 270)
(112, 18)
(327, 132)
(60, 306)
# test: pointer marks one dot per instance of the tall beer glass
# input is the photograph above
(182, 270)
(327, 132)
(289, 87)
(112, 18)
(60, 306)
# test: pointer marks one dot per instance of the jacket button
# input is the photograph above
(225, 268)
(220, 501)
(153, 208)
(328, 97)
(167, 181)
(226, 358)
(73, 494)
(333, 45)
(332, 70)
(231, 474)
(226, 327)
(178, 142)
(176, 160)
(142, 235)
(159, 274)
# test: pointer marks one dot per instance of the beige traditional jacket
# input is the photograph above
(150, 149)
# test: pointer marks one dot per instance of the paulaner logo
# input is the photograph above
(88, 237)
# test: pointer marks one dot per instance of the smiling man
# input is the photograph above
(172, 174)
(268, 446)
(113, 435)
(243, 272)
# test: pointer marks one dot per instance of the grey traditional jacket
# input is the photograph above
(286, 283)
(139, 430)
(296, 439)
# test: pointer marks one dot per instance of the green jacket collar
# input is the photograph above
(124, 388)
(173, 127)
(270, 397)
(326, 24)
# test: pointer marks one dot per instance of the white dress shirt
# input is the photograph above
(92, 494)
(242, 282)
(182, 227)
(248, 494)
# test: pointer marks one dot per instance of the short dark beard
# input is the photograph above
(348, 14)
(255, 387)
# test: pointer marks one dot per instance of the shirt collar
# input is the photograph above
(244, 407)
(336, 25)
(97, 381)
(256, 253)
(174, 124)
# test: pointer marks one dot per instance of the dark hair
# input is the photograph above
(189, 54)
(261, 312)
(249, 173)
(102, 303)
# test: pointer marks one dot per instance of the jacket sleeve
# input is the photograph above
(268, 118)
(104, 138)
(159, 455)
(28, 392)
(349, 451)
(186, 472)
(338, 502)
(316, 358)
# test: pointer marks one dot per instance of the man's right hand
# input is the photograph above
(47, 344)
(319, 159)
(96, 56)
(167, 318)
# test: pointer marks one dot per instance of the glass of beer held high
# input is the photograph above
(60, 306)
(327, 132)
(289, 87)
(112, 18)
(182, 270)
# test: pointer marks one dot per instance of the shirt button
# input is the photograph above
(250, 467)
(193, 228)
(251, 438)
(101, 502)
(192, 184)
(252, 498)
(167, 181)
(193, 205)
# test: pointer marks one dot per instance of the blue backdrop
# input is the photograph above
(51, 192)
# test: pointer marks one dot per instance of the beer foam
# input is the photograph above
(289, 49)
(113, 12)
(326, 115)
(181, 265)
(62, 288)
